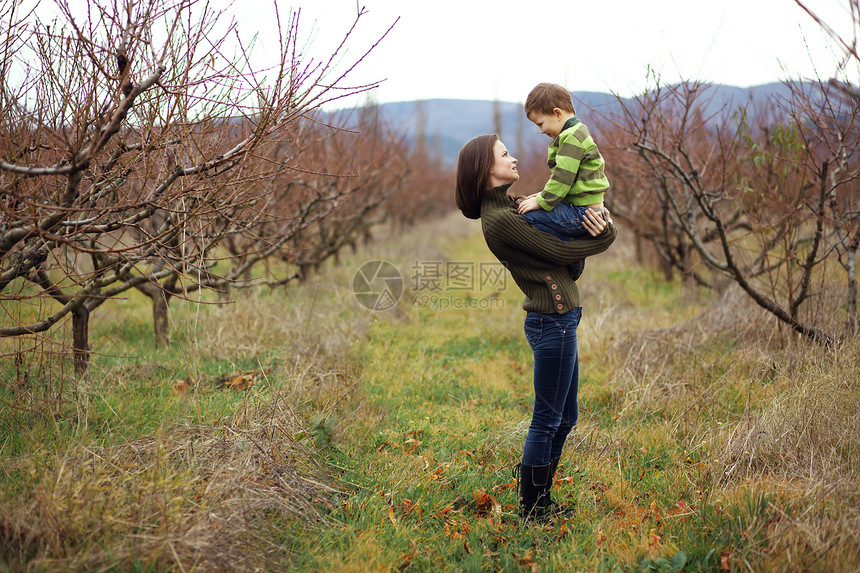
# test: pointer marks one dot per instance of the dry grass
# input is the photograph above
(196, 496)
(207, 496)
(778, 417)
(770, 422)
(808, 429)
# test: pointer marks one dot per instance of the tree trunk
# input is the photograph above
(160, 300)
(853, 318)
(637, 244)
(304, 271)
(159, 319)
(81, 338)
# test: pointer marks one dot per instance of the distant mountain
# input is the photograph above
(449, 123)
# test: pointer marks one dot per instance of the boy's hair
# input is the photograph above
(545, 97)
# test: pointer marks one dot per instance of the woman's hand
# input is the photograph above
(594, 223)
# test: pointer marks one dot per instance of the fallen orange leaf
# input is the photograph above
(505, 486)
(486, 502)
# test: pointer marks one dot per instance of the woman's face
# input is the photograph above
(504, 168)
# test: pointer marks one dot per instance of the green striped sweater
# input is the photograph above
(536, 260)
(576, 168)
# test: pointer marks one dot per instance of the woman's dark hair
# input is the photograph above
(473, 173)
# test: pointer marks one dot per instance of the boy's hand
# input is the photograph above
(528, 204)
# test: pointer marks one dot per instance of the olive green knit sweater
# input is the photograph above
(536, 260)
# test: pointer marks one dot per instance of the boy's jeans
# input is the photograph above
(556, 380)
(565, 222)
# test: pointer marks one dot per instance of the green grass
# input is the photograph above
(129, 392)
(700, 444)
(452, 389)
(452, 392)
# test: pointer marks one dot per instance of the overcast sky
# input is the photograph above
(499, 49)
(477, 49)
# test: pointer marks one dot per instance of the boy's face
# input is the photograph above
(550, 125)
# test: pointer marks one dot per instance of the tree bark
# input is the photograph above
(81, 338)
(853, 318)
(160, 323)
(160, 305)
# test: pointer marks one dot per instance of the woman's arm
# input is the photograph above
(512, 229)
(595, 222)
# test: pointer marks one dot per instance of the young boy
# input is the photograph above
(577, 180)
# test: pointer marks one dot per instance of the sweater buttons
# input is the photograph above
(559, 306)
(558, 297)
(549, 278)
(554, 287)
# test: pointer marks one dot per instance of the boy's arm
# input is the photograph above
(567, 162)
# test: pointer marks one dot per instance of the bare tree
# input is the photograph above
(847, 44)
(762, 196)
(644, 185)
(380, 157)
(276, 205)
(846, 212)
(128, 134)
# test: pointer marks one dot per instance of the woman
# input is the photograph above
(538, 264)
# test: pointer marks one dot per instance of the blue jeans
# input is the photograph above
(556, 379)
(564, 221)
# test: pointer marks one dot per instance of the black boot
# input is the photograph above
(551, 507)
(533, 482)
